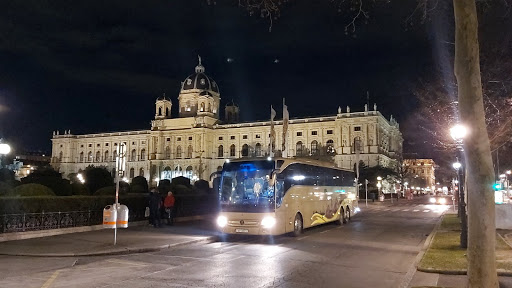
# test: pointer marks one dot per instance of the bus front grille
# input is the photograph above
(243, 223)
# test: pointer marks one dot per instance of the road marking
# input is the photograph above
(415, 210)
(52, 278)
(125, 262)
(426, 211)
(405, 210)
(387, 209)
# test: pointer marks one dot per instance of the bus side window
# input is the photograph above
(279, 191)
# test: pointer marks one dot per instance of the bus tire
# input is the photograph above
(297, 225)
(343, 218)
(348, 217)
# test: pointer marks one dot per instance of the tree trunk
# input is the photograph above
(480, 173)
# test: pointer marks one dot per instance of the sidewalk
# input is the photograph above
(135, 239)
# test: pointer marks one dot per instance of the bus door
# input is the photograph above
(280, 205)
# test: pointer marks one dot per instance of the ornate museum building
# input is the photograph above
(196, 143)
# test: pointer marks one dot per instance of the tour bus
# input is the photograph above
(274, 196)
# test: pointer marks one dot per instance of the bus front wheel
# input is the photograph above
(297, 225)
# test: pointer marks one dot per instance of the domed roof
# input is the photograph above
(200, 81)
(205, 93)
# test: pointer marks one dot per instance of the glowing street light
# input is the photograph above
(457, 165)
(5, 149)
(458, 132)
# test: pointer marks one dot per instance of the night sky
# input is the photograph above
(98, 66)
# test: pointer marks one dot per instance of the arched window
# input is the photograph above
(141, 172)
(209, 107)
(159, 111)
(330, 147)
(142, 154)
(81, 157)
(202, 107)
(166, 112)
(220, 151)
(258, 149)
(89, 156)
(232, 150)
(60, 156)
(314, 147)
(98, 156)
(245, 150)
(106, 156)
(178, 152)
(167, 152)
(189, 172)
(133, 157)
(299, 148)
(189, 151)
(132, 173)
(114, 155)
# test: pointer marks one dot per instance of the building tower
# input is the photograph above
(163, 108)
(231, 113)
(199, 95)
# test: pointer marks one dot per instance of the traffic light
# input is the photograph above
(497, 186)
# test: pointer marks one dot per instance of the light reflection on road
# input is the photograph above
(437, 208)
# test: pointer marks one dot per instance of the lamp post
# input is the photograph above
(458, 132)
(379, 185)
(405, 191)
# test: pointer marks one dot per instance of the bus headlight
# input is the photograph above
(442, 201)
(432, 200)
(268, 222)
(222, 221)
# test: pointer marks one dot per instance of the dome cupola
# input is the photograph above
(199, 80)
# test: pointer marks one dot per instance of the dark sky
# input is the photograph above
(98, 66)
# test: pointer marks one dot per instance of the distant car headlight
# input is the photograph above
(442, 201)
(222, 221)
(432, 200)
(268, 222)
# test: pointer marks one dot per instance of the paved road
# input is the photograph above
(376, 249)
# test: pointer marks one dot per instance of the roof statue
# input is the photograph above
(348, 109)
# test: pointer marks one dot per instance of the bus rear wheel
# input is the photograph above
(347, 217)
(297, 225)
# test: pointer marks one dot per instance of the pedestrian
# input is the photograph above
(169, 207)
(155, 203)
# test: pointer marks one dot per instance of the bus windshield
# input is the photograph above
(245, 187)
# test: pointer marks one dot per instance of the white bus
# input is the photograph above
(278, 195)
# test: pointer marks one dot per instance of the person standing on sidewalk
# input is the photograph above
(169, 207)
(155, 203)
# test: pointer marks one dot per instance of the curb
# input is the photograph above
(410, 273)
(459, 272)
(122, 251)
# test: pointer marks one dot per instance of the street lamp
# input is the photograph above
(458, 132)
(4, 150)
(379, 185)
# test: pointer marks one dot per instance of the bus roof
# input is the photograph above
(288, 161)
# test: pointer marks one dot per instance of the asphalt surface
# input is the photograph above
(378, 248)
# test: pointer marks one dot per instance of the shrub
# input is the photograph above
(106, 191)
(51, 179)
(31, 189)
(97, 177)
(5, 188)
(138, 189)
(202, 186)
(142, 182)
(164, 186)
(182, 190)
(6, 175)
(79, 189)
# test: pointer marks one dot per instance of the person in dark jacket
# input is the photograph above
(155, 203)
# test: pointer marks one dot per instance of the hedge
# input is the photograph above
(31, 189)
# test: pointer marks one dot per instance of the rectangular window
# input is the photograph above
(90, 145)
(244, 137)
(133, 143)
(106, 144)
(178, 139)
(314, 132)
(143, 142)
(189, 138)
(81, 146)
(258, 136)
(232, 137)
(299, 133)
(168, 139)
(98, 145)
(329, 131)
(220, 138)
(357, 128)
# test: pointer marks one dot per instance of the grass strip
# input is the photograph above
(445, 254)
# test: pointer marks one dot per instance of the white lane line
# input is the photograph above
(405, 210)
(426, 211)
(415, 210)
